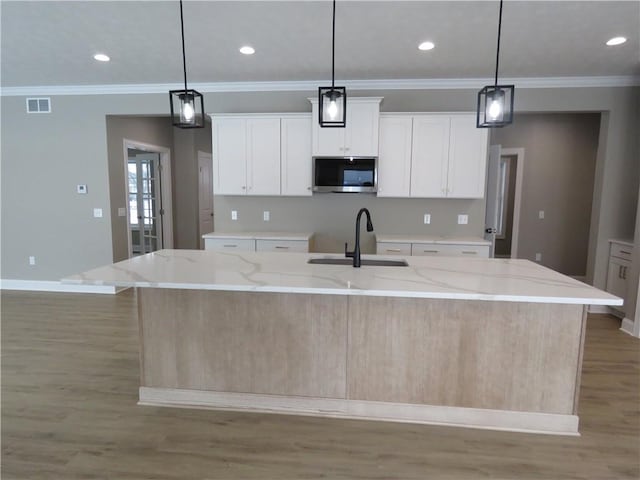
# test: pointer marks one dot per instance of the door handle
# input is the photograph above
(489, 230)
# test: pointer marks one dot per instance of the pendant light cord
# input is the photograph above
(497, 49)
(333, 47)
(184, 57)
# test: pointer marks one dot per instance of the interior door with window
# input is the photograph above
(145, 202)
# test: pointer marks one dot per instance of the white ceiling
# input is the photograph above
(52, 42)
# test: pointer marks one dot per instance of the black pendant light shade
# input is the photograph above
(495, 106)
(187, 106)
(332, 101)
(495, 102)
(333, 106)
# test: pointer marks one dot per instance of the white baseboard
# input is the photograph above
(628, 327)
(51, 286)
(531, 422)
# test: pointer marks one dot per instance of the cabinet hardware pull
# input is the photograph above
(230, 246)
(624, 273)
(619, 271)
(393, 250)
(469, 252)
(624, 251)
(280, 246)
(430, 251)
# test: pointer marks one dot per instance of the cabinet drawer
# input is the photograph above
(393, 248)
(621, 251)
(437, 249)
(224, 244)
(282, 246)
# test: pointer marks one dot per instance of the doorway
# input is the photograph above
(148, 190)
(504, 195)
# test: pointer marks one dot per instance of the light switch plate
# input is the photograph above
(32, 260)
(538, 257)
(234, 215)
(122, 212)
(463, 219)
(97, 212)
(541, 214)
(266, 216)
(82, 188)
(427, 218)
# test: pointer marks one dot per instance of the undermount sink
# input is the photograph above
(365, 262)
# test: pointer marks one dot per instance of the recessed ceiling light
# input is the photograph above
(101, 57)
(426, 46)
(616, 41)
(247, 50)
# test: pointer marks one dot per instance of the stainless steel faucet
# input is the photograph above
(356, 251)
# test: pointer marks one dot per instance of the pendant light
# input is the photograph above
(187, 106)
(332, 101)
(495, 102)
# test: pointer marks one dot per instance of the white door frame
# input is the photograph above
(167, 204)
(519, 154)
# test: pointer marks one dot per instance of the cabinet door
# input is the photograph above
(394, 162)
(229, 156)
(616, 277)
(467, 158)
(263, 156)
(361, 135)
(296, 156)
(429, 156)
(328, 141)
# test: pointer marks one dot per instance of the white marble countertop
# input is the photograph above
(432, 239)
(426, 277)
(261, 235)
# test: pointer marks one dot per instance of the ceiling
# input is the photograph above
(52, 42)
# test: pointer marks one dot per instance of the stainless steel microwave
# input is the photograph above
(345, 174)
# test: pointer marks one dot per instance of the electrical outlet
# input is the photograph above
(97, 212)
(427, 218)
(81, 188)
(32, 260)
(234, 215)
(541, 214)
(538, 257)
(266, 216)
(463, 219)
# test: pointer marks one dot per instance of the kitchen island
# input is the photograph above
(476, 342)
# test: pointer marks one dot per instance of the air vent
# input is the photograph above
(39, 105)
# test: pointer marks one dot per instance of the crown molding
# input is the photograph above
(312, 85)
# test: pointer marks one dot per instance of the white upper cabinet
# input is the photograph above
(359, 138)
(263, 156)
(447, 158)
(394, 164)
(229, 156)
(295, 141)
(467, 158)
(430, 156)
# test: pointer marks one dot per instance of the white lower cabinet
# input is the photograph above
(282, 246)
(620, 253)
(432, 249)
(257, 242)
(229, 244)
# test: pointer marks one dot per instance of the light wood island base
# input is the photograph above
(484, 364)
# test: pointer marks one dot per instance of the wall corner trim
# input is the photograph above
(52, 286)
(628, 327)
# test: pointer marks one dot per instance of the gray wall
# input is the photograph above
(151, 130)
(45, 156)
(332, 217)
(560, 153)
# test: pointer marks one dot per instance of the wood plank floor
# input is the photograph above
(69, 390)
